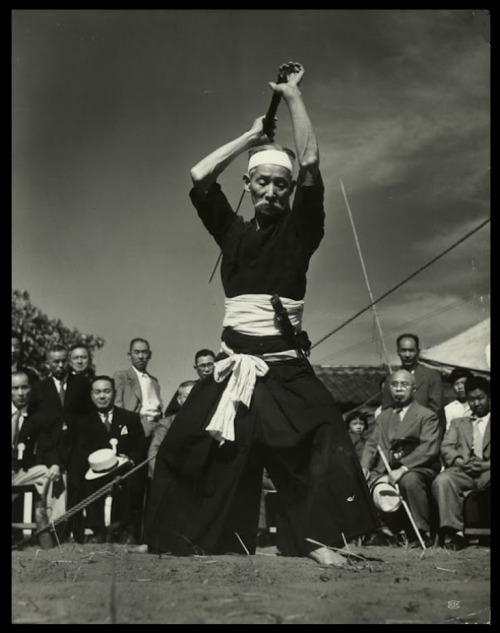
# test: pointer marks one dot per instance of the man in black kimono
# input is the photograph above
(264, 404)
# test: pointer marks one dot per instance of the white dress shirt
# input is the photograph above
(23, 413)
(150, 401)
(455, 410)
(479, 426)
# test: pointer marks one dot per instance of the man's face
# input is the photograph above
(16, 350)
(459, 388)
(79, 359)
(21, 390)
(205, 366)
(139, 355)
(183, 394)
(479, 402)
(270, 187)
(103, 395)
(58, 364)
(402, 387)
(408, 352)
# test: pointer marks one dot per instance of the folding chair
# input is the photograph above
(26, 496)
(477, 508)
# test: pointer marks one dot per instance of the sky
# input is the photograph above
(111, 109)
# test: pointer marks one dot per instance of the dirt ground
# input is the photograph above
(87, 584)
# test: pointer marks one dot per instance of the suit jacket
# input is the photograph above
(36, 435)
(457, 441)
(128, 389)
(126, 427)
(428, 389)
(359, 441)
(77, 403)
(419, 425)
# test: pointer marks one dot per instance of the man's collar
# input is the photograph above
(140, 373)
(23, 411)
(109, 413)
(485, 418)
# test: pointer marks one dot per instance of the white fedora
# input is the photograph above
(102, 462)
(385, 496)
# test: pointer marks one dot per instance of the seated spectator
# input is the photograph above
(80, 360)
(164, 425)
(204, 361)
(458, 408)
(34, 457)
(429, 390)
(109, 426)
(16, 359)
(408, 435)
(466, 453)
(357, 425)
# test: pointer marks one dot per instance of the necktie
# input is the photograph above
(16, 418)
(107, 423)
(397, 411)
(62, 391)
(477, 440)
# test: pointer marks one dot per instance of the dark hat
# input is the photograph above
(459, 373)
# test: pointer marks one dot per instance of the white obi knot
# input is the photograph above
(245, 371)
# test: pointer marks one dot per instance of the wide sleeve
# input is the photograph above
(308, 214)
(214, 211)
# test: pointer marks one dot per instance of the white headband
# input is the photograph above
(270, 157)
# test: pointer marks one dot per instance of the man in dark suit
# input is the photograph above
(428, 383)
(109, 426)
(34, 457)
(136, 389)
(64, 398)
(466, 453)
(408, 434)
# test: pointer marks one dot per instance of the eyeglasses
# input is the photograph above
(403, 384)
(205, 366)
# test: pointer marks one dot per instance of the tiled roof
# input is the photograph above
(354, 385)
(351, 385)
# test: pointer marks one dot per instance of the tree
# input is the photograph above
(39, 332)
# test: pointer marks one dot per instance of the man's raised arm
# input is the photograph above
(206, 172)
(306, 144)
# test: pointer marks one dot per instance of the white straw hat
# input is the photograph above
(102, 462)
(386, 497)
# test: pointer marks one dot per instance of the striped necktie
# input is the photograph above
(477, 438)
(16, 418)
(62, 391)
(107, 423)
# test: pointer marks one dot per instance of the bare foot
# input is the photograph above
(325, 556)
